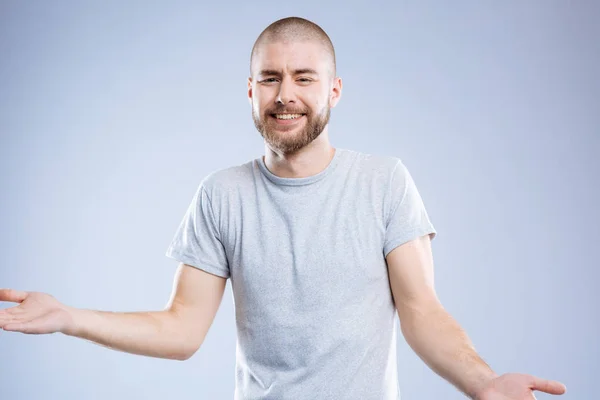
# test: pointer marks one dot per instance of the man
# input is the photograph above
(323, 247)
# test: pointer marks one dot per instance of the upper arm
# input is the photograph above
(195, 299)
(410, 268)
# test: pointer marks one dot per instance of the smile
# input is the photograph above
(287, 116)
(283, 120)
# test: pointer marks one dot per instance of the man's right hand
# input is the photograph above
(37, 313)
(175, 332)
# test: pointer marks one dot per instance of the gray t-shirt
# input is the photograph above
(314, 311)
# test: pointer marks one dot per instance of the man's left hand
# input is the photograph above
(513, 386)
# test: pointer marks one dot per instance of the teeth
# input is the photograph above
(287, 116)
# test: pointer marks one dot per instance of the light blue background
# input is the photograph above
(111, 113)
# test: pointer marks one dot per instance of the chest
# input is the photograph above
(297, 253)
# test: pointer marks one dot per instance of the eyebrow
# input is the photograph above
(300, 71)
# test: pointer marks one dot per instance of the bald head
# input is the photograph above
(294, 29)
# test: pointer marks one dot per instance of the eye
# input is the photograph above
(305, 80)
(269, 80)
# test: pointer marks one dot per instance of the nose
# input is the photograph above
(286, 92)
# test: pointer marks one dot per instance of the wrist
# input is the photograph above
(71, 321)
(483, 386)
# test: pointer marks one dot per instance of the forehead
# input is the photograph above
(291, 55)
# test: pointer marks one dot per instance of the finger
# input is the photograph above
(11, 320)
(15, 296)
(31, 327)
(16, 310)
(548, 386)
(20, 318)
(7, 319)
(16, 327)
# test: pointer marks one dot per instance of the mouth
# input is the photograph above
(287, 119)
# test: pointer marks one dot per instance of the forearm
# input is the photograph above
(444, 346)
(155, 334)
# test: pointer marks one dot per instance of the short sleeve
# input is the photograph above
(407, 218)
(197, 240)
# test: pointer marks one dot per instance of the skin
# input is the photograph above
(439, 340)
(280, 83)
(176, 332)
(179, 330)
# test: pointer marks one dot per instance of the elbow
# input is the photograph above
(185, 353)
(183, 340)
(181, 356)
(415, 312)
(415, 321)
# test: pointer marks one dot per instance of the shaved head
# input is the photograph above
(293, 84)
(294, 29)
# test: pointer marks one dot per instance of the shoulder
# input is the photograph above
(375, 166)
(228, 179)
(221, 183)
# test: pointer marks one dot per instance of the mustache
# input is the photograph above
(283, 110)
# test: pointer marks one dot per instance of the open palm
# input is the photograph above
(519, 387)
(37, 313)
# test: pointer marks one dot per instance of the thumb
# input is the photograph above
(15, 296)
(548, 386)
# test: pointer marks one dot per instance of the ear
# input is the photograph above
(336, 92)
(250, 90)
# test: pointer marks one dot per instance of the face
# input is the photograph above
(292, 91)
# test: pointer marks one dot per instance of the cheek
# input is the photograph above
(321, 101)
(258, 103)
(323, 98)
(262, 99)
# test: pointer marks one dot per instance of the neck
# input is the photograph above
(308, 161)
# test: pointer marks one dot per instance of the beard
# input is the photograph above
(282, 139)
